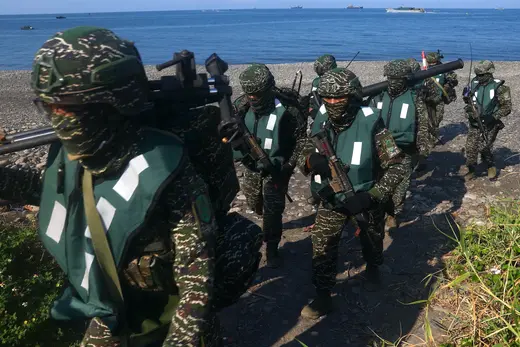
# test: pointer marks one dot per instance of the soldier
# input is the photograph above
(323, 64)
(361, 142)
(122, 209)
(492, 100)
(446, 84)
(278, 122)
(404, 113)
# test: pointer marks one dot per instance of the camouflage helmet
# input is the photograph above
(90, 65)
(433, 58)
(484, 66)
(399, 68)
(256, 78)
(324, 63)
(414, 64)
(340, 82)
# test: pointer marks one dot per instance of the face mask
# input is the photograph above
(337, 112)
(263, 103)
(396, 86)
(484, 78)
(89, 135)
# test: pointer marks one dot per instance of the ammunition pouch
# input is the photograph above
(153, 271)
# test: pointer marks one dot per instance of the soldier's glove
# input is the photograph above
(319, 164)
(358, 203)
(287, 169)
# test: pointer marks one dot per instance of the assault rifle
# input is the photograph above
(377, 88)
(187, 89)
(339, 182)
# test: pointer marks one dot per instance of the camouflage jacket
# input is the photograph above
(173, 219)
(505, 105)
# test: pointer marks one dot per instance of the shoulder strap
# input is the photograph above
(102, 249)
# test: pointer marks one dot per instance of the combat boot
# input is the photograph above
(492, 173)
(318, 307)
(372, 278)
(470, 174)
(273, 255)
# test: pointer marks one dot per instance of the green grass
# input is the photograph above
(481, 284)
(29, 282)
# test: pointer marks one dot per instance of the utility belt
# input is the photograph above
(152, 271)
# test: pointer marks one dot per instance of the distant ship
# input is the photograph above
(405, 10)
(27, 27)
(352, 7)
(60, 17)
(296, 8)
(500, 8)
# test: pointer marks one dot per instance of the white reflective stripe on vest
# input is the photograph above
(323, 110)
(380, 105)
(437, 79)
(491, 93)
(277, 103)
(498, 81)
(127, 184)
(107, 213)
(475, 96)
(367, 111)
(404, 111)
(89, 259)
(271, 122)
(314, 89)
(57, 222)
(268, 143)
(317, 179)
(356, 153)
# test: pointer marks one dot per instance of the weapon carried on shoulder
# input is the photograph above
(298, 74)
(185, 90)
(339, 182)
(413, 78)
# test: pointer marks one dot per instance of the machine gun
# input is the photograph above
(185, 90)
(377, 88)
(339, 182)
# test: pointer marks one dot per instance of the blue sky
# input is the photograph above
(69, 6)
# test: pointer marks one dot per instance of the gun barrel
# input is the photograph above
(29, 134)
(377, 88)
(35, 141)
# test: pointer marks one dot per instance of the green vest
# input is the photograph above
(266, 130)
(441, 79)
(355, 147)
(399, 117)
(315, 84)
(124, 203)
(487, 97)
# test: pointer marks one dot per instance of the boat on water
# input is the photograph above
(27, 27)
(60, 17)
(405, 10)
(499, 9)
(299, 7)
(352, 7)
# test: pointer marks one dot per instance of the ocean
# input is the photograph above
(283, 35)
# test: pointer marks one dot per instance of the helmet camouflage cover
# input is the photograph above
(397, 69)
(256, 78)
(484, 66)
(324, 63)
(86, 65)
(414, 64)
(433, 57)
(339, 82)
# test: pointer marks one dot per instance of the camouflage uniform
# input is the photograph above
(341, 84)
(445, 85)
(89, 82)
(395, 71)
(323, 64)
(264, 194)
(490, 118)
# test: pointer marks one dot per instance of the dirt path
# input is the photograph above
(270, 315)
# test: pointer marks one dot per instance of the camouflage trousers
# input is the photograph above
(326, 236)
(237, 257)
(475, 144)
(400, 192)
(267, 198)
(437, 115)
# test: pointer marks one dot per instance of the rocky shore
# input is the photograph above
(436, 198)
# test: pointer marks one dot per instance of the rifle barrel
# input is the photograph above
(377, 88)
(34, 141)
